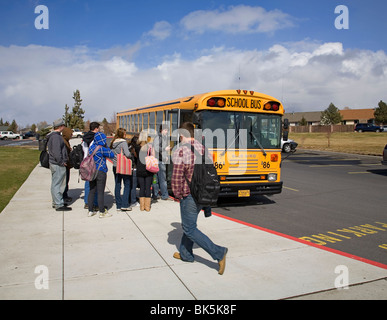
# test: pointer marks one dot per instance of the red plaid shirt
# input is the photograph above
(183, 165)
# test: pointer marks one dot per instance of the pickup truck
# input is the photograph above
(4, 135)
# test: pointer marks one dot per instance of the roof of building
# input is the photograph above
(309, 116)
(358, 114)
(361, 115)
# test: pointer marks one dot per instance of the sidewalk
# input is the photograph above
(129, 256)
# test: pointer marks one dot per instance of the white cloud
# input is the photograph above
(36, 81)
(237, 19)
(331, 48)
(161, 30)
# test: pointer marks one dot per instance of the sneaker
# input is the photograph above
(91, 213)
(105, 214)
(96, 208)
(126, 209)
(136, 204)
(169, 199)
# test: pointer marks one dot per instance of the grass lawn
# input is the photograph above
(351, 142)
(16, 165)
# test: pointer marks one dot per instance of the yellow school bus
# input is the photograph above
(242, 129)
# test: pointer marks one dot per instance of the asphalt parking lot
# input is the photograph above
(334, 200)
(19, 142)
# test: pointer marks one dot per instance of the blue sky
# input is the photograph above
(149, 51)
(102, 24)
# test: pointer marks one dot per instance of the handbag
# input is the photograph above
(124, 164)
(151, 163)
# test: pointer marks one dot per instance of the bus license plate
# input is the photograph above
(243, 193)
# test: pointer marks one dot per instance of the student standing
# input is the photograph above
(67, 134)
(162, 148)
(144, 177)
(119, 145)
(133, 193)
(58, 159)
(98, 185)
(87, 140)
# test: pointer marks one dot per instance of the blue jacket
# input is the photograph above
(103, 153)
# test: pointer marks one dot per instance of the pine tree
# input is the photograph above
(381, 113)
(75, 118)
(331, 115)
(67, 116)
(13, 127)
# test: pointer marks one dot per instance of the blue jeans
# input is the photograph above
(58, 184)
(189, 212)
(161, 182)
(121, 201)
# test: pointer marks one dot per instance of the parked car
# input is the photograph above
(29, 134)
(368, 127)
(77, 133)
(384, 161)
(288, 146)
(4, 135)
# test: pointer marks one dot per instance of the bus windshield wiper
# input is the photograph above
(236, 137)
(259, 143)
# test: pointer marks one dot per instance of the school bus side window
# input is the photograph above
(140, 121)
(152, 120)
(159, 119)
(185, 116)
(136, 122)
(145, 121)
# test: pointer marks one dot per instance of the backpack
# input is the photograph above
(76, 156)
(88, 170)
(204, 185)
(44, 157)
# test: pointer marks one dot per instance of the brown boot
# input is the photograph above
(222, 263)
(148, 204)
(142, 203)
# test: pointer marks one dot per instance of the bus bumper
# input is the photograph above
(233, 190)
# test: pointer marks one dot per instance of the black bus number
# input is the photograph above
(218, 165)
(266, 165)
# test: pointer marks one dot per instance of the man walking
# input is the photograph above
(58, 159)
(183, 166)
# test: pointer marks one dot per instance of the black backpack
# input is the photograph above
(44, 157)
(76, 156)
(204, 185)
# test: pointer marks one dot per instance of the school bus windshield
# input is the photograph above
(241, 130)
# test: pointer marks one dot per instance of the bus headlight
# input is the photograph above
(272, 177)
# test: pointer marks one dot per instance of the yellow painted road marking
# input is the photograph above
(360, 172)
(292, 189)
(330, 165)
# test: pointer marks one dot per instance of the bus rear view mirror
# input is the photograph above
(286, 124)
(286, 130)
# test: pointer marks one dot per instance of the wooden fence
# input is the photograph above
(322, 129)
